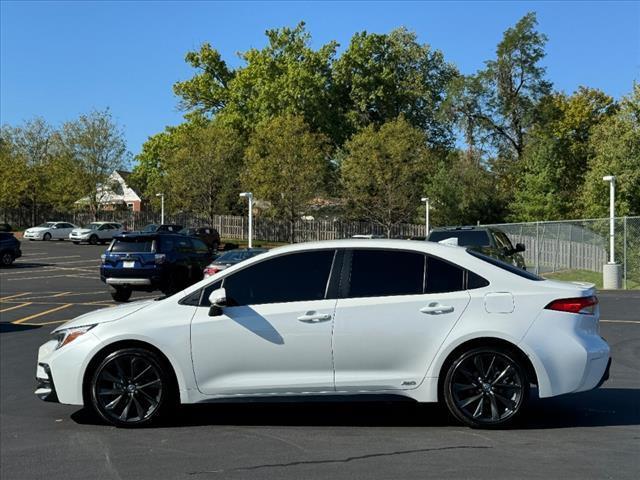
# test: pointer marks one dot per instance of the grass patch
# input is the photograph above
(586, 276)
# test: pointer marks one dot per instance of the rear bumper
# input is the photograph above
(134, 282)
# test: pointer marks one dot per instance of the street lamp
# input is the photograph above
(249, 195)
(611, 272)
(426, 216)
(161, 195)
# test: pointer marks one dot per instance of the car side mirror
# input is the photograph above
(520, 247)
(218, 299)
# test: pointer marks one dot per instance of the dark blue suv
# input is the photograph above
(9, 248)
(153, 261)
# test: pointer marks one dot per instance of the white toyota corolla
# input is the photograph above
(418, 319)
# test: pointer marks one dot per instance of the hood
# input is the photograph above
(81, 230)
(37, 229)
(108, 314)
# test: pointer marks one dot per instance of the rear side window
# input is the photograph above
(132, 245)
(289, 278)
(443, 276)
(379, 273)
(199, 246)
(504, 266)
(478, 238)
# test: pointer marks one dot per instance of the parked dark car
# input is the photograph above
(5, 227)
(208, 235)
(153, 261)
(165, 227)
(489, 240)
(9, 248)
(231, 257)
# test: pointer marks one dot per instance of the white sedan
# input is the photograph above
(414, 319)
(49, 231)
(96, 232)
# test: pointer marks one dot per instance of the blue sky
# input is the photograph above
(60, 59)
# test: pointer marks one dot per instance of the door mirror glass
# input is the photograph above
(520, 247)
(218, 297)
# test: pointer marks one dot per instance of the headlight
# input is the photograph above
(68, 335)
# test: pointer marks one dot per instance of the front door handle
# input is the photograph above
(435, 308)
(313, 317)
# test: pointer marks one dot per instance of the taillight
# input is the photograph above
(160, 258)
(586, 305)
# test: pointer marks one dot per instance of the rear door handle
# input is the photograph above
(313, 317)
(436, 309)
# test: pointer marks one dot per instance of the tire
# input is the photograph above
(132, 387)
(121, 294)
(93, 240)
(6, 259)
(486, 387)
(46, 237)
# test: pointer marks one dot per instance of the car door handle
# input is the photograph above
(313, 317)
(436, 309)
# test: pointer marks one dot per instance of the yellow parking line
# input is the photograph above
(620, 321)
(46, 312)
(14, 296)
(15, 306)
(44, 323)
(62, 294)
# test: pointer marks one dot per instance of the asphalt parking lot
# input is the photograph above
(589, 435)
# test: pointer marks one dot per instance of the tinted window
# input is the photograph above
(199, 246)
(289, 278)
(204, 300)
(132, 244)
(479, 238)
(170, 243)
(443, 276)
(503, 265)
(475, 281)
(379, 273)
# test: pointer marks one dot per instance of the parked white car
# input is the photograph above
(49, 231)
(96, 232)
(416, 319)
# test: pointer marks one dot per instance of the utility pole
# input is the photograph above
(249, 196)
(161, 195)
(426, 216)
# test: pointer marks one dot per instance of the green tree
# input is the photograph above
(384, 172)
(556, 157)
(382, 76)
(285, 77)
(205, 170)
(511, 87)
(285, 165)
(616, 151)
(14, 180)
(96, 144)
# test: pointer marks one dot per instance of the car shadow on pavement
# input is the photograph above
(6, 327)
(603, 407)
(22, 265)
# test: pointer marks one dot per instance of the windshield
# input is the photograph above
(93, 226)
(466, 238)
(46, 225)
(237, 255)
(133, 245)
(503, 265)
(150, 228)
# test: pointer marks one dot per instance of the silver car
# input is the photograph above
(96, 232)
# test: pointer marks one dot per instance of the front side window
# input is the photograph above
(380, 273)
(289, 278)
(478, 238)
(199, 246)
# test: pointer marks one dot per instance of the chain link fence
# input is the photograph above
(577, 249)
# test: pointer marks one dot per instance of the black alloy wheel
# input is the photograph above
(486, 387)
(6, 258)
(46, 237)
(93, 240)
(130, 388)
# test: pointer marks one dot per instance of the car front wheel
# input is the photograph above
(46, 237)
(486, 387)
(131, 387)
(93, 239)
(6, 259)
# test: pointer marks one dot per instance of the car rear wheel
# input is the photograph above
(121, 294)
(131, 387)
(46, 237)
(486, 387)
(93, 239)
(6, 258)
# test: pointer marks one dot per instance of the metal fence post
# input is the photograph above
(537, 248)
(624, 249)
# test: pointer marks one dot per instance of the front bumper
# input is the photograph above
(33, 236)
(45, 389)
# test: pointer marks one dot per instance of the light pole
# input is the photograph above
(426, 216)
(612, 272)
(161, 195)
(249, 195)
